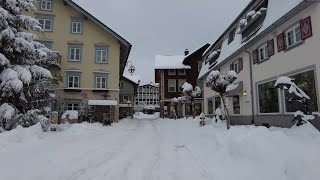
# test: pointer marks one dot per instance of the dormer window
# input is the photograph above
(253, 20)
(232, 34)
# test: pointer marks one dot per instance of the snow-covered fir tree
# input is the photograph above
(25, 81)
(219, 84)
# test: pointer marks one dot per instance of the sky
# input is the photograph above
(165, 27)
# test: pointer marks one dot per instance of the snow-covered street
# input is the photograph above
(162, 149)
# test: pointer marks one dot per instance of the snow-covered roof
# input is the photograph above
(134, 78)
(102, 102)
(170, 62)
(276, 10)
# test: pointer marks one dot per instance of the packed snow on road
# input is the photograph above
(147, 147)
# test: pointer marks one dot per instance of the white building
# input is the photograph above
(269, 39)
(147, 97)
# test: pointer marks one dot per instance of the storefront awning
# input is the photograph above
(234, 89)
(102, 102)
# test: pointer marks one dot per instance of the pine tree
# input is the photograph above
(25, 81)
(219, 83)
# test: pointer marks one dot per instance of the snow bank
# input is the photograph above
(140, 115)
(72, 114)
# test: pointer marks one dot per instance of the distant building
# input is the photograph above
(147, 97)
(171, 72)
(128, 91)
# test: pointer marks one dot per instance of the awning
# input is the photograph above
(102, 102)
(234, 89)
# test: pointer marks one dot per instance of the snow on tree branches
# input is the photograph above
(219, 84)
(25, 81)
(298, 98)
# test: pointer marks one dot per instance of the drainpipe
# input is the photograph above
(251, 85)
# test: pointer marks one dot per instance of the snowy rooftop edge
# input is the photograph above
(170, 62)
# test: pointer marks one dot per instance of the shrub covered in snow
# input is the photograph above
(298, 98)
(25, 81)
(219, 84)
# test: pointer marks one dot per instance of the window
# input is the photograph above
(236, 104)
(46, 5)
(293, 36)
(217, 102)
(263, 52)
(46, 23)
(268, 98)
(237, 65)
(180, 83)
(76, 26)
(171, 72)
(75, 53)
(232, 34)
(181, 72)
(73, 82)
(121, 85)
(172, 85)
(101, 55)
(125, 98)
(46, 44)
(199, 66)
(306, 82)
(101, 82)
(210, 106)
(72, 106)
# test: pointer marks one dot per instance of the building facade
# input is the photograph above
(93, 55)
(128, 93)
(147, 97)
(171, 72)
(269, 39)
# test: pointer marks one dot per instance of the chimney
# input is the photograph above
(186, 52)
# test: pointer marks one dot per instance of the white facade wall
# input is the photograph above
(302, 57)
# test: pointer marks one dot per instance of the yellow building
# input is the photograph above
(93, 56)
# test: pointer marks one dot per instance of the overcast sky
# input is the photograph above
(165, 27)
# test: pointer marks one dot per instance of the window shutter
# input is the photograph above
(280, 42)
(306, 28)
(231, 67)
(271, 47)
(240, 64)
(255, 56)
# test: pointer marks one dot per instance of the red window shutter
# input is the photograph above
(306, 28)
(240, 64)
(271, 47)
(280, 42)
(231, 66)
(255, 56)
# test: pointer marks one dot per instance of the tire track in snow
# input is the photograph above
(110, 155)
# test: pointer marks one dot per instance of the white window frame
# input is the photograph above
(44, 5)
(182, 72)
(171, 72)
(293, 30)
(258, 100)
(171, 81)
(180, 84)
(77, 26)
(73, 81)
(45, 21)
(100, 57)
(283, 94)
(74, 51)
(264, 49)
(100, 80)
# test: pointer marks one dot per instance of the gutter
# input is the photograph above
(251, 84)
